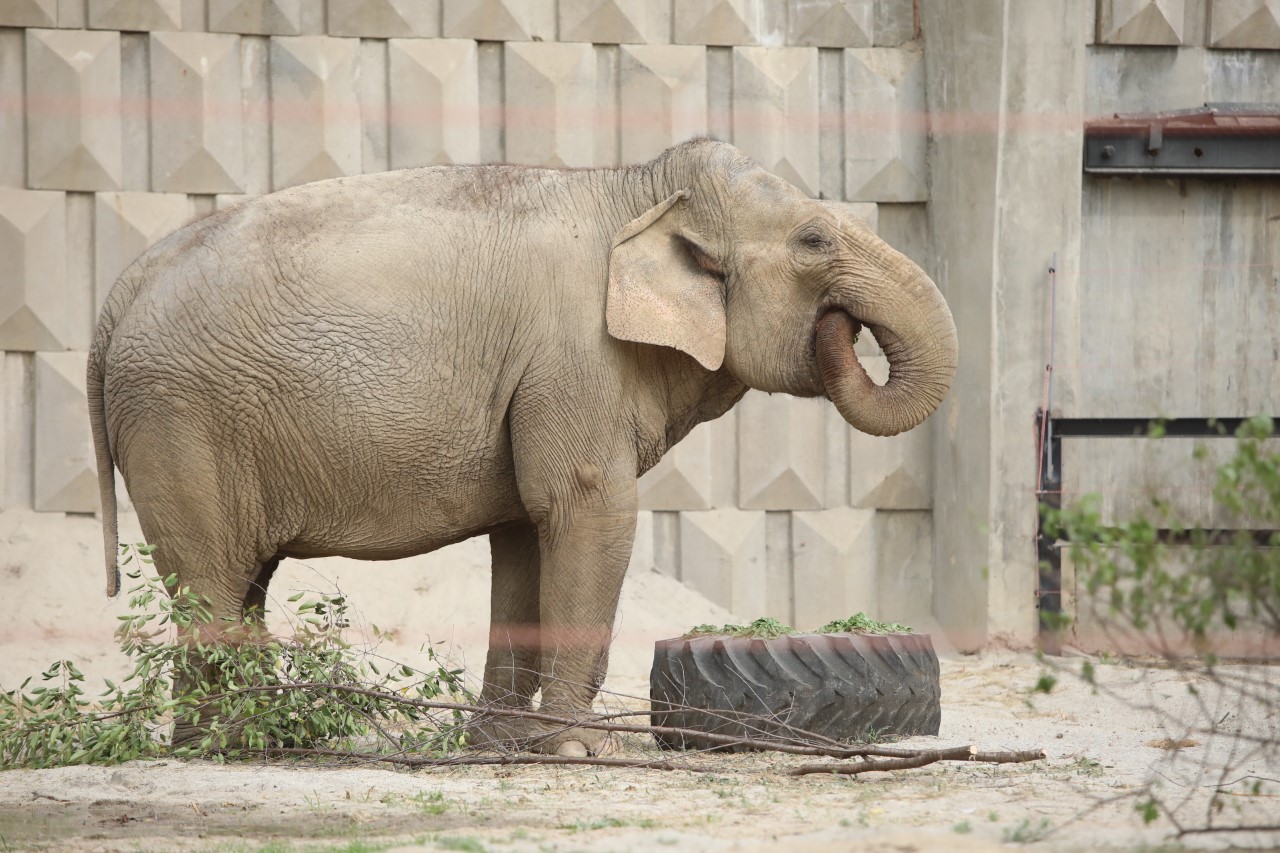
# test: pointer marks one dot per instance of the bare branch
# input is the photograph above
(919, 759)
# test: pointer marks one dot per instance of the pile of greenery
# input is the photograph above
(770, 629)
(861, 623)
(764, 628)
(311, 691)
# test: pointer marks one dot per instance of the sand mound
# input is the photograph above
(52, 585)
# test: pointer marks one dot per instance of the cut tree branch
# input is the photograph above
(919, 759)
(474, 760)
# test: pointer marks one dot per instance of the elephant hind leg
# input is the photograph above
(234, 624)
(203, 515)
(511, 668)
(210, 536)
(255, 601)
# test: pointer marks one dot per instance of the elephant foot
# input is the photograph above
(512, 734)
(578, 743)
(186, 734)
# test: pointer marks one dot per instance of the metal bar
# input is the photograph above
(1141, 427)
(1053, 310)
(1212, 537)
(1049, 496)
(1181, 154)
(1049, 557)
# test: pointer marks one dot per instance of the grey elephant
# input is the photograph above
(379, 366)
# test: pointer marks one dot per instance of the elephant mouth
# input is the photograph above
(828, 319)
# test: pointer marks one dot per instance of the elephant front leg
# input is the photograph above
(511, 667)
(584, 558)
(585, 513)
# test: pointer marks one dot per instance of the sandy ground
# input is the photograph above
(1105, 747)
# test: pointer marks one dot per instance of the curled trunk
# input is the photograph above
(918, 337)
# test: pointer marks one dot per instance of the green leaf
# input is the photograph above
(1045, 684)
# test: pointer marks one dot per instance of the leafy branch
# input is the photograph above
(238, 687)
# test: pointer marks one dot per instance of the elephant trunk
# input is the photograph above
(916, 332)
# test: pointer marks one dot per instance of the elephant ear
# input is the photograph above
(664, 288)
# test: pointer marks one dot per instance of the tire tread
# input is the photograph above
(842, 686)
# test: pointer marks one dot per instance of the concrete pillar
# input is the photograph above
(1005, 93)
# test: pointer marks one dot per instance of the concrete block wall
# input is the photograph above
(120, 121)
(1166, 296)
(1221, 24)
(1203, 254)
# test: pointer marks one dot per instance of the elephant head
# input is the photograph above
(743, 272)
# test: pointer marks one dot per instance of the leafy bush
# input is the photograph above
(1192, 577)
(250, 694)
(1176, 582)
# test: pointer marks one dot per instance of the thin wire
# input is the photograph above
(1046, 399)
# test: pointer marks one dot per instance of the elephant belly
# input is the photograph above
(407, 504)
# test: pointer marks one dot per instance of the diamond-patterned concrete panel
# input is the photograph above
(551, 104)
(435, 102)
(722, 556)
(1245, 24)
(904, 566)
(663, 97)
(196, 139)
(895, 22)
(260, 17)
(833, 558)
(13, 121)
(729, 22)
(135, 15)
(867, 211)
(831, 23)
(684, 478)
(125, 226)
(781, 452)
(65, 469)
(35, 313)
(891, 473)
(500, 20)
(775, 110)
(29, 13)
(384, 18)
(615, 21)
(1147, 22)
(315, 110)
(886, 131)
(73, 110)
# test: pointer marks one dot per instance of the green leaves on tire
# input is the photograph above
(767, 628)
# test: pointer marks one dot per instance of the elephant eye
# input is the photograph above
(815, 240)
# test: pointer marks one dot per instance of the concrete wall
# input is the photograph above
(1166, 291)
(1007, 94)
(120, 121)
(1176, 311)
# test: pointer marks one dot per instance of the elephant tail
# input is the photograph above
(117, 303)
(102, 450)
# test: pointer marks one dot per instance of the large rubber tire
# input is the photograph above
(842, 686)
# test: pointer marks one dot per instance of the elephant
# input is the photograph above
(381, 365)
